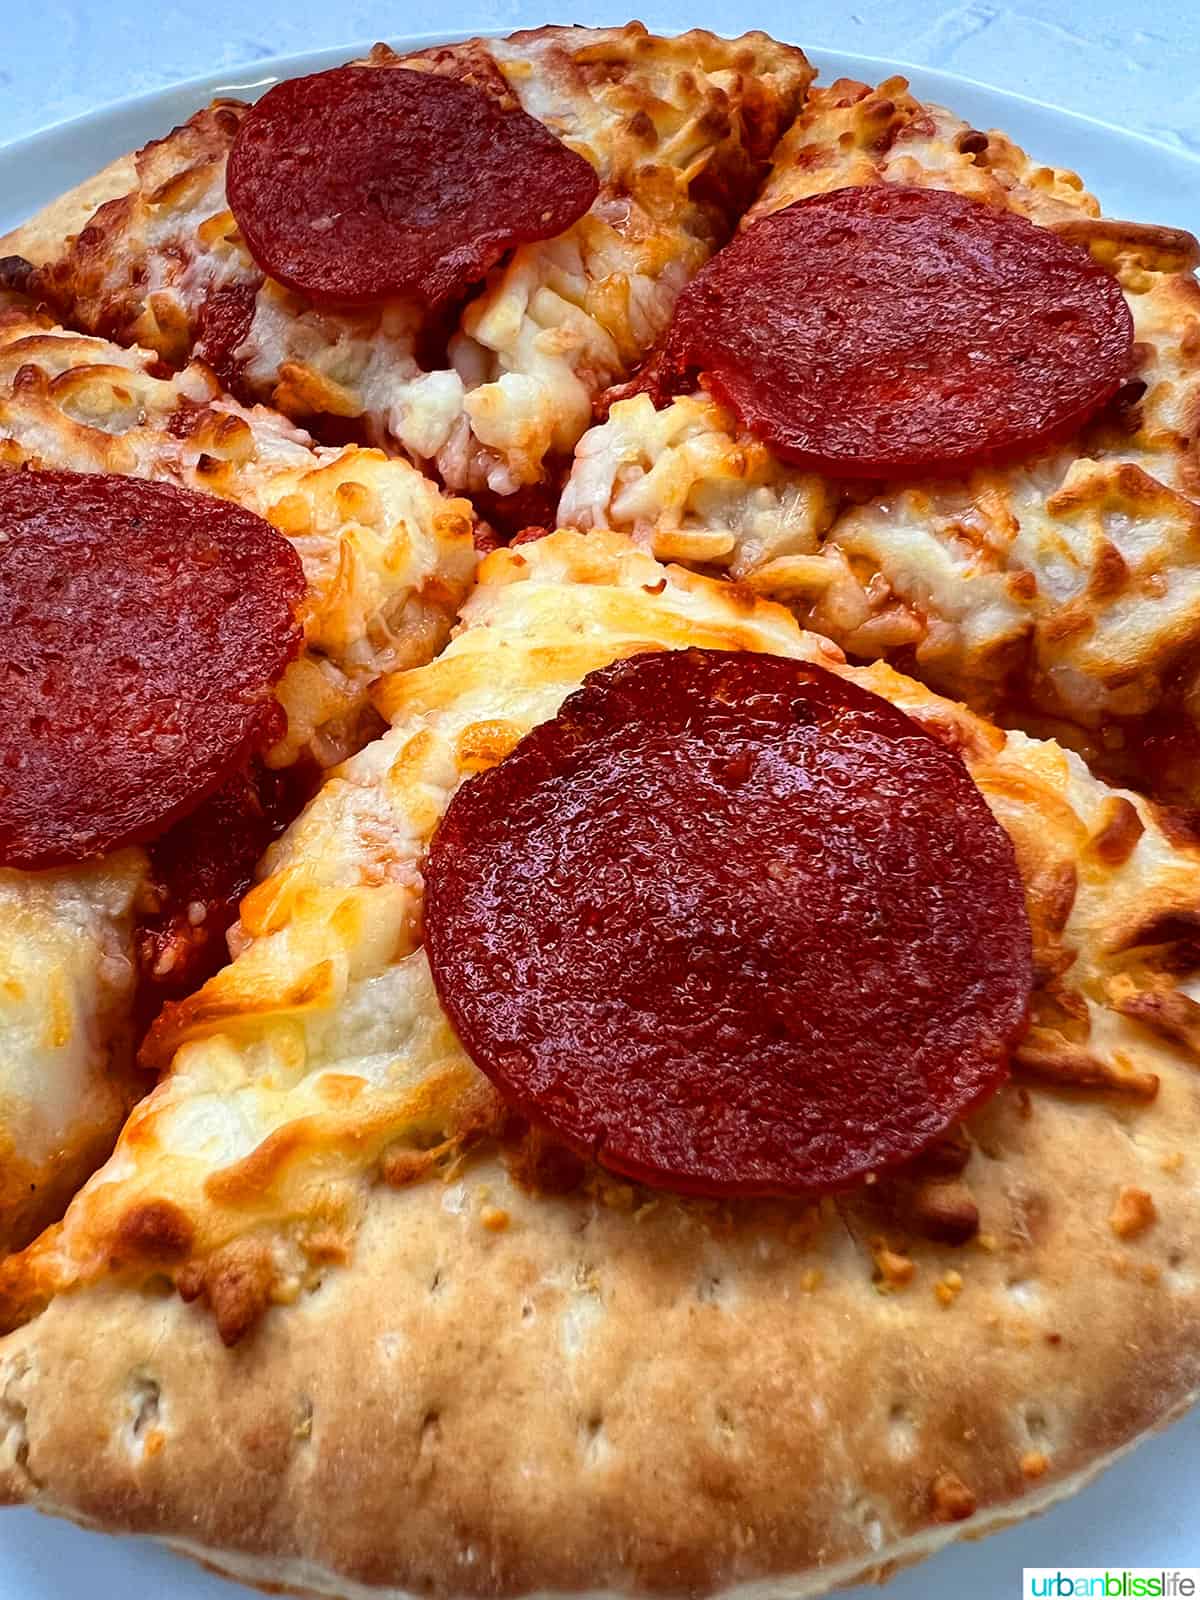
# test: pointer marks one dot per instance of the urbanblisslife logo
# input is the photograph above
(1111, 1583)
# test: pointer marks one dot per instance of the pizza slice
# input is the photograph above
(100, 926)
(1049, 574)
(482, 364)
(368, 1298)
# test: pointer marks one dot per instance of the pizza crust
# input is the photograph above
(296, 1578)
(593, 1401)
(40, 239)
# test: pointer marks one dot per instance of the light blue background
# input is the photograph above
(1134, 65)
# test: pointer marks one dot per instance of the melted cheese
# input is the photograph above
(320, 1058)
(65, 936)
(66, 1070)
(1070, 580)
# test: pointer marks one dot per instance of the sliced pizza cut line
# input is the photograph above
(66, 1031)
(1062, 589)
(490, 396)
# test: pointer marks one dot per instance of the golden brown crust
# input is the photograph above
(852, 134)
(41, 238)
(1150, 245)
(592, 1399)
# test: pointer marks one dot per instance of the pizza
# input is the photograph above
(600, 973)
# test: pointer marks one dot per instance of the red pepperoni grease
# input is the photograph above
(892, 331)
(201, 867)
(143, 627)
(731, 924)
(363, 183)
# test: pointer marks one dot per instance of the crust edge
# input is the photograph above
(42, 237)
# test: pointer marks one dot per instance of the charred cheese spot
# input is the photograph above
(1133, 1212)
(1052, 1060)
(236, 1283)
(485, 744)
(1118, 833)
(1167, 1011)
(155, 1230)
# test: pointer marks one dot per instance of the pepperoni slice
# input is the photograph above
(363, 183)
(891, 331)
(732, 925)
(143, 627)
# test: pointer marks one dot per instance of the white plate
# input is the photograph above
(1143, 1512)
